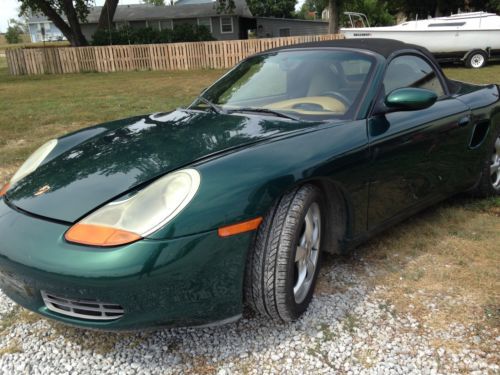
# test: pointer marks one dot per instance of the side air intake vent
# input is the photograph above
(82, 309)
(479, 133)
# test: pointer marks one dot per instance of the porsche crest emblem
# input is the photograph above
(42, 190)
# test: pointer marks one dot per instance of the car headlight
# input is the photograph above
(31, 164)
(133, 218)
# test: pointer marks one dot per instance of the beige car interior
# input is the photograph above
(315, 102)
(327, 104)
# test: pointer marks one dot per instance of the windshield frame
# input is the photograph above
(360, 100)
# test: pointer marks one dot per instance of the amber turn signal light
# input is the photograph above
(4, 189)
(96, 235)
(243, 227)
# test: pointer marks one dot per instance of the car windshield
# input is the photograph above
(302, 85)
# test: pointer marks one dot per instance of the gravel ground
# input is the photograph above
(348, 329)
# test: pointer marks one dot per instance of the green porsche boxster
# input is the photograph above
(181, 218)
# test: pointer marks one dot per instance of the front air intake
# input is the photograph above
(82, 309)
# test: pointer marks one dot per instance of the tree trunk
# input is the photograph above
(333, 10)
(58, 21)
(78, 37)
(107, 14)
(437, 11)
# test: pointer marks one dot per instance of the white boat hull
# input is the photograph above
(458, 33)
(439, 41)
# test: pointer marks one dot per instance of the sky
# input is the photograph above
(9, 9)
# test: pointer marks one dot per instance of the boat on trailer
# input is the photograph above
(473, 38)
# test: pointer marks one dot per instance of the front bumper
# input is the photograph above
(188, 281)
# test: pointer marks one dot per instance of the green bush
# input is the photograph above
(148, 35)
(190, 33)
(13, 35)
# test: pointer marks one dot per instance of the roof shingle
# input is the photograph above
(141, 12)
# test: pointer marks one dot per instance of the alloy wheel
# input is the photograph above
(495, 165)
(307, 254)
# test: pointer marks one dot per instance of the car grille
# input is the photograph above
(83, 309)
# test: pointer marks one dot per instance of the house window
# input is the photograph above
(137, 24)
(44, 26)
(120, 25)
(153, 25)
(285, 32)
(166, 24)
(226, 25)
(205, 21)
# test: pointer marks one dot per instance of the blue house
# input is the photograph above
(235, 24)
(43, 30)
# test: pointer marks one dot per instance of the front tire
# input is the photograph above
(284, 263)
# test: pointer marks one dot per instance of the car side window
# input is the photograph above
(411, 71)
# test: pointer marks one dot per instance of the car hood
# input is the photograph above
(92, 167)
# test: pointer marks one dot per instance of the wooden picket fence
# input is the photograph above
(174, 56)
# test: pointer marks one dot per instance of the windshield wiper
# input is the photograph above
(264, 110)
(217, 109)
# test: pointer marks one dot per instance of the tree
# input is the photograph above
(493, 6)
(267, 8)
(412, 8)
(225, 6)
(375, 10)
(316, 6)
(154, 2)
(272, 8)
(107, 14)
(334, 16)
(21, 24)
(379, 15)
(14, 31)
(68, 14)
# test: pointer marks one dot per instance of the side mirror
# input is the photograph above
(409, 99)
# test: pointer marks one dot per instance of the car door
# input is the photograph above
(414, 154)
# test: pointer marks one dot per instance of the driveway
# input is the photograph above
(349, 328)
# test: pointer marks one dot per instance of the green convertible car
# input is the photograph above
(180, 218)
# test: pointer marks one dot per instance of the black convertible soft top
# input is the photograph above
(384, 47)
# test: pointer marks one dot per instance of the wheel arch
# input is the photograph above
(467, 57)
(468, 53)
(338, 214)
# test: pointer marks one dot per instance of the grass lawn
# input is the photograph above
(35, 109)
(488, 74)
(442, 266)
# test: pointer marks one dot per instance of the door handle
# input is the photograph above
(464, 121)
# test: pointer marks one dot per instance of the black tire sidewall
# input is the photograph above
(295, 308)
(485, 188)
(487, 164)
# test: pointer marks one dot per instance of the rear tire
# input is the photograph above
(476, 59)
(490, 177)
(284, 262)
